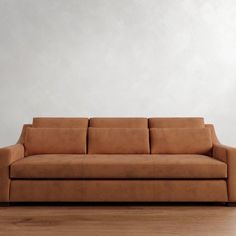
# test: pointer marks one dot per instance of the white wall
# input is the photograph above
(117, 58)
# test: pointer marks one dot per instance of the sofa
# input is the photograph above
(118, 160)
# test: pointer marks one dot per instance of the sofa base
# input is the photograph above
(4, 204)
(115, 204)
(118, 191)
(231, 204)
(8, 204)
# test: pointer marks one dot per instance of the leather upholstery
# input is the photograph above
(180, 141)
(176, 122)
(114, 122)
(228, 155)
(21, 139)
(7, 156)
(55, 141)
(118, 167)
(118, 141)
(214, 137)
(59, 122)
(118, 190)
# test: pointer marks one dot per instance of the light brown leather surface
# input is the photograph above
(118, 190)
(176, 122)
(118, 141)
(118, 167)
(21, 140)
(180, 141)
(7, 156)
(55, 141)
(59, 122)
(117, 122)
(68, 174)
(228, 155)
(214, 137)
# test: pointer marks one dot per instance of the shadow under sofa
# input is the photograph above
(118, 160)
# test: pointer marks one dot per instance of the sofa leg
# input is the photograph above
(231, 204)
(4, 204)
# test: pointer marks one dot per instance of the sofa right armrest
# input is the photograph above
(228, 155)
(7, 156)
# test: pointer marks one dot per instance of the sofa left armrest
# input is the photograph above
(228, 155)
(7, 156)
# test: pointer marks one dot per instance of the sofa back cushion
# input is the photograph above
(180, 140)
(55, 141)
(176, 122)
(118, 141)
(118, 122)
(59, 122)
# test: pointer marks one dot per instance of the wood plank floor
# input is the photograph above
(118, 220)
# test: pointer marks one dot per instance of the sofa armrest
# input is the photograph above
(228, 155)
(7, 156)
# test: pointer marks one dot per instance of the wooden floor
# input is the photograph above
(118, 220)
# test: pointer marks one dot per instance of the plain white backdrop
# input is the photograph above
(117, 58)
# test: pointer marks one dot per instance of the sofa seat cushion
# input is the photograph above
(118, 167)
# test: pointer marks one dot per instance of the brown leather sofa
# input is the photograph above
(118, 159)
